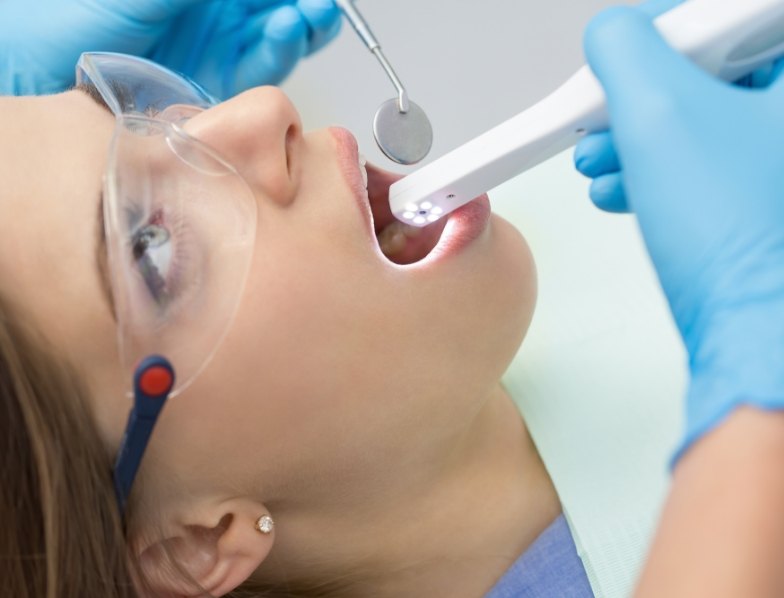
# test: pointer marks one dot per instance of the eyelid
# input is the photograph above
(102, 260)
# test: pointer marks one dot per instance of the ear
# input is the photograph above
(215, 551)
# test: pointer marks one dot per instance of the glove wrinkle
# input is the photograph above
(226, 46)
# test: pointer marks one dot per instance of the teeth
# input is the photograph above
(363, 169)
(392, 240)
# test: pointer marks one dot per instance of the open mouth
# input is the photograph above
(400, 243)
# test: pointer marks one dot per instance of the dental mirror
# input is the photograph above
(405, 137)
(401, 128)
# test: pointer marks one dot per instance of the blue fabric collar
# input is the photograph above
(550, 567)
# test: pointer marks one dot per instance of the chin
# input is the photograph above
(486, 305)
(515, 289)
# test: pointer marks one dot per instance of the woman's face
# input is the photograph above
(339, 364)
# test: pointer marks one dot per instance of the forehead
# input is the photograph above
(50, 149)
(52, 155)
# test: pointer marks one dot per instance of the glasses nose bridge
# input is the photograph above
(179, 113)
(169, 128)
(196, 154)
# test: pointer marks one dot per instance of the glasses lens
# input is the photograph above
(180, 221)
(181, 227)
(132, 85)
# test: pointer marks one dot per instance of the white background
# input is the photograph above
(471, 64)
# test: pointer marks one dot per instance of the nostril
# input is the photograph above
(291, 135)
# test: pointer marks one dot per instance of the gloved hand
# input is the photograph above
(225, 45)
(703, 170)
(595, 155)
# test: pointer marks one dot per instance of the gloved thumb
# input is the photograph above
(634, 64)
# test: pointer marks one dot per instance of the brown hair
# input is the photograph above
(62, 536)
(61, 533)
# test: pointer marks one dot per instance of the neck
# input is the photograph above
(456, 534)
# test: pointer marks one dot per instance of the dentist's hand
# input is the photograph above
(703, 170)
(596, 157)
(225, 45)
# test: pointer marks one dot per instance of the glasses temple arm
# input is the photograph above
(152, 384)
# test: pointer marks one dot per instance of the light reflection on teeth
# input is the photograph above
(392, 240)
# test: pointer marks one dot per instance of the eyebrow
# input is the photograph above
(94, 94)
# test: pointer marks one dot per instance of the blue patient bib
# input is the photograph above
(550, 567)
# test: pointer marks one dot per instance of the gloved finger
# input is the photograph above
(772, 77)
(640, 73)
(279, 46)
(607, 193)
(748, 81)
(323, 19)
(777, 73)
(151, 11)
(762, 77)
(654, 8)
(253, 6)
(595, 155)
(256, 26)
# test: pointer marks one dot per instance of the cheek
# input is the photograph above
(513, 290)
(324, 317)
(336, 350)
(480, 307)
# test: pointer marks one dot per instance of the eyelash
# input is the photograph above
(175, 285)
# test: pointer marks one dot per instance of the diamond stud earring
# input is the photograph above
(265, 524)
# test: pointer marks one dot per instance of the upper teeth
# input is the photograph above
(363, 169)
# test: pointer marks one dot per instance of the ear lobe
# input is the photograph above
(208, 556)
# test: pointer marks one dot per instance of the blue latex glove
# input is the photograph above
(703, 170)
(595, 155)
(225, 45)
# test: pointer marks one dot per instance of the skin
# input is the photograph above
(722, 535)
(352, 399)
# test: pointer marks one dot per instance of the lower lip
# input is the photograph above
(463, 227)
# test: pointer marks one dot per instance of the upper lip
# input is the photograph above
(374, 201)
(379, 181)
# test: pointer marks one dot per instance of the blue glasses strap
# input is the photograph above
(153, 381)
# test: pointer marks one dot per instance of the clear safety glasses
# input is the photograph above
(180, 229)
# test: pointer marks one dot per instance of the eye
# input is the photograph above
(153, 253)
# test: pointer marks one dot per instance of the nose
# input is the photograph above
(259, 132)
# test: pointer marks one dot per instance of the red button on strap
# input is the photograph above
(155, 381)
